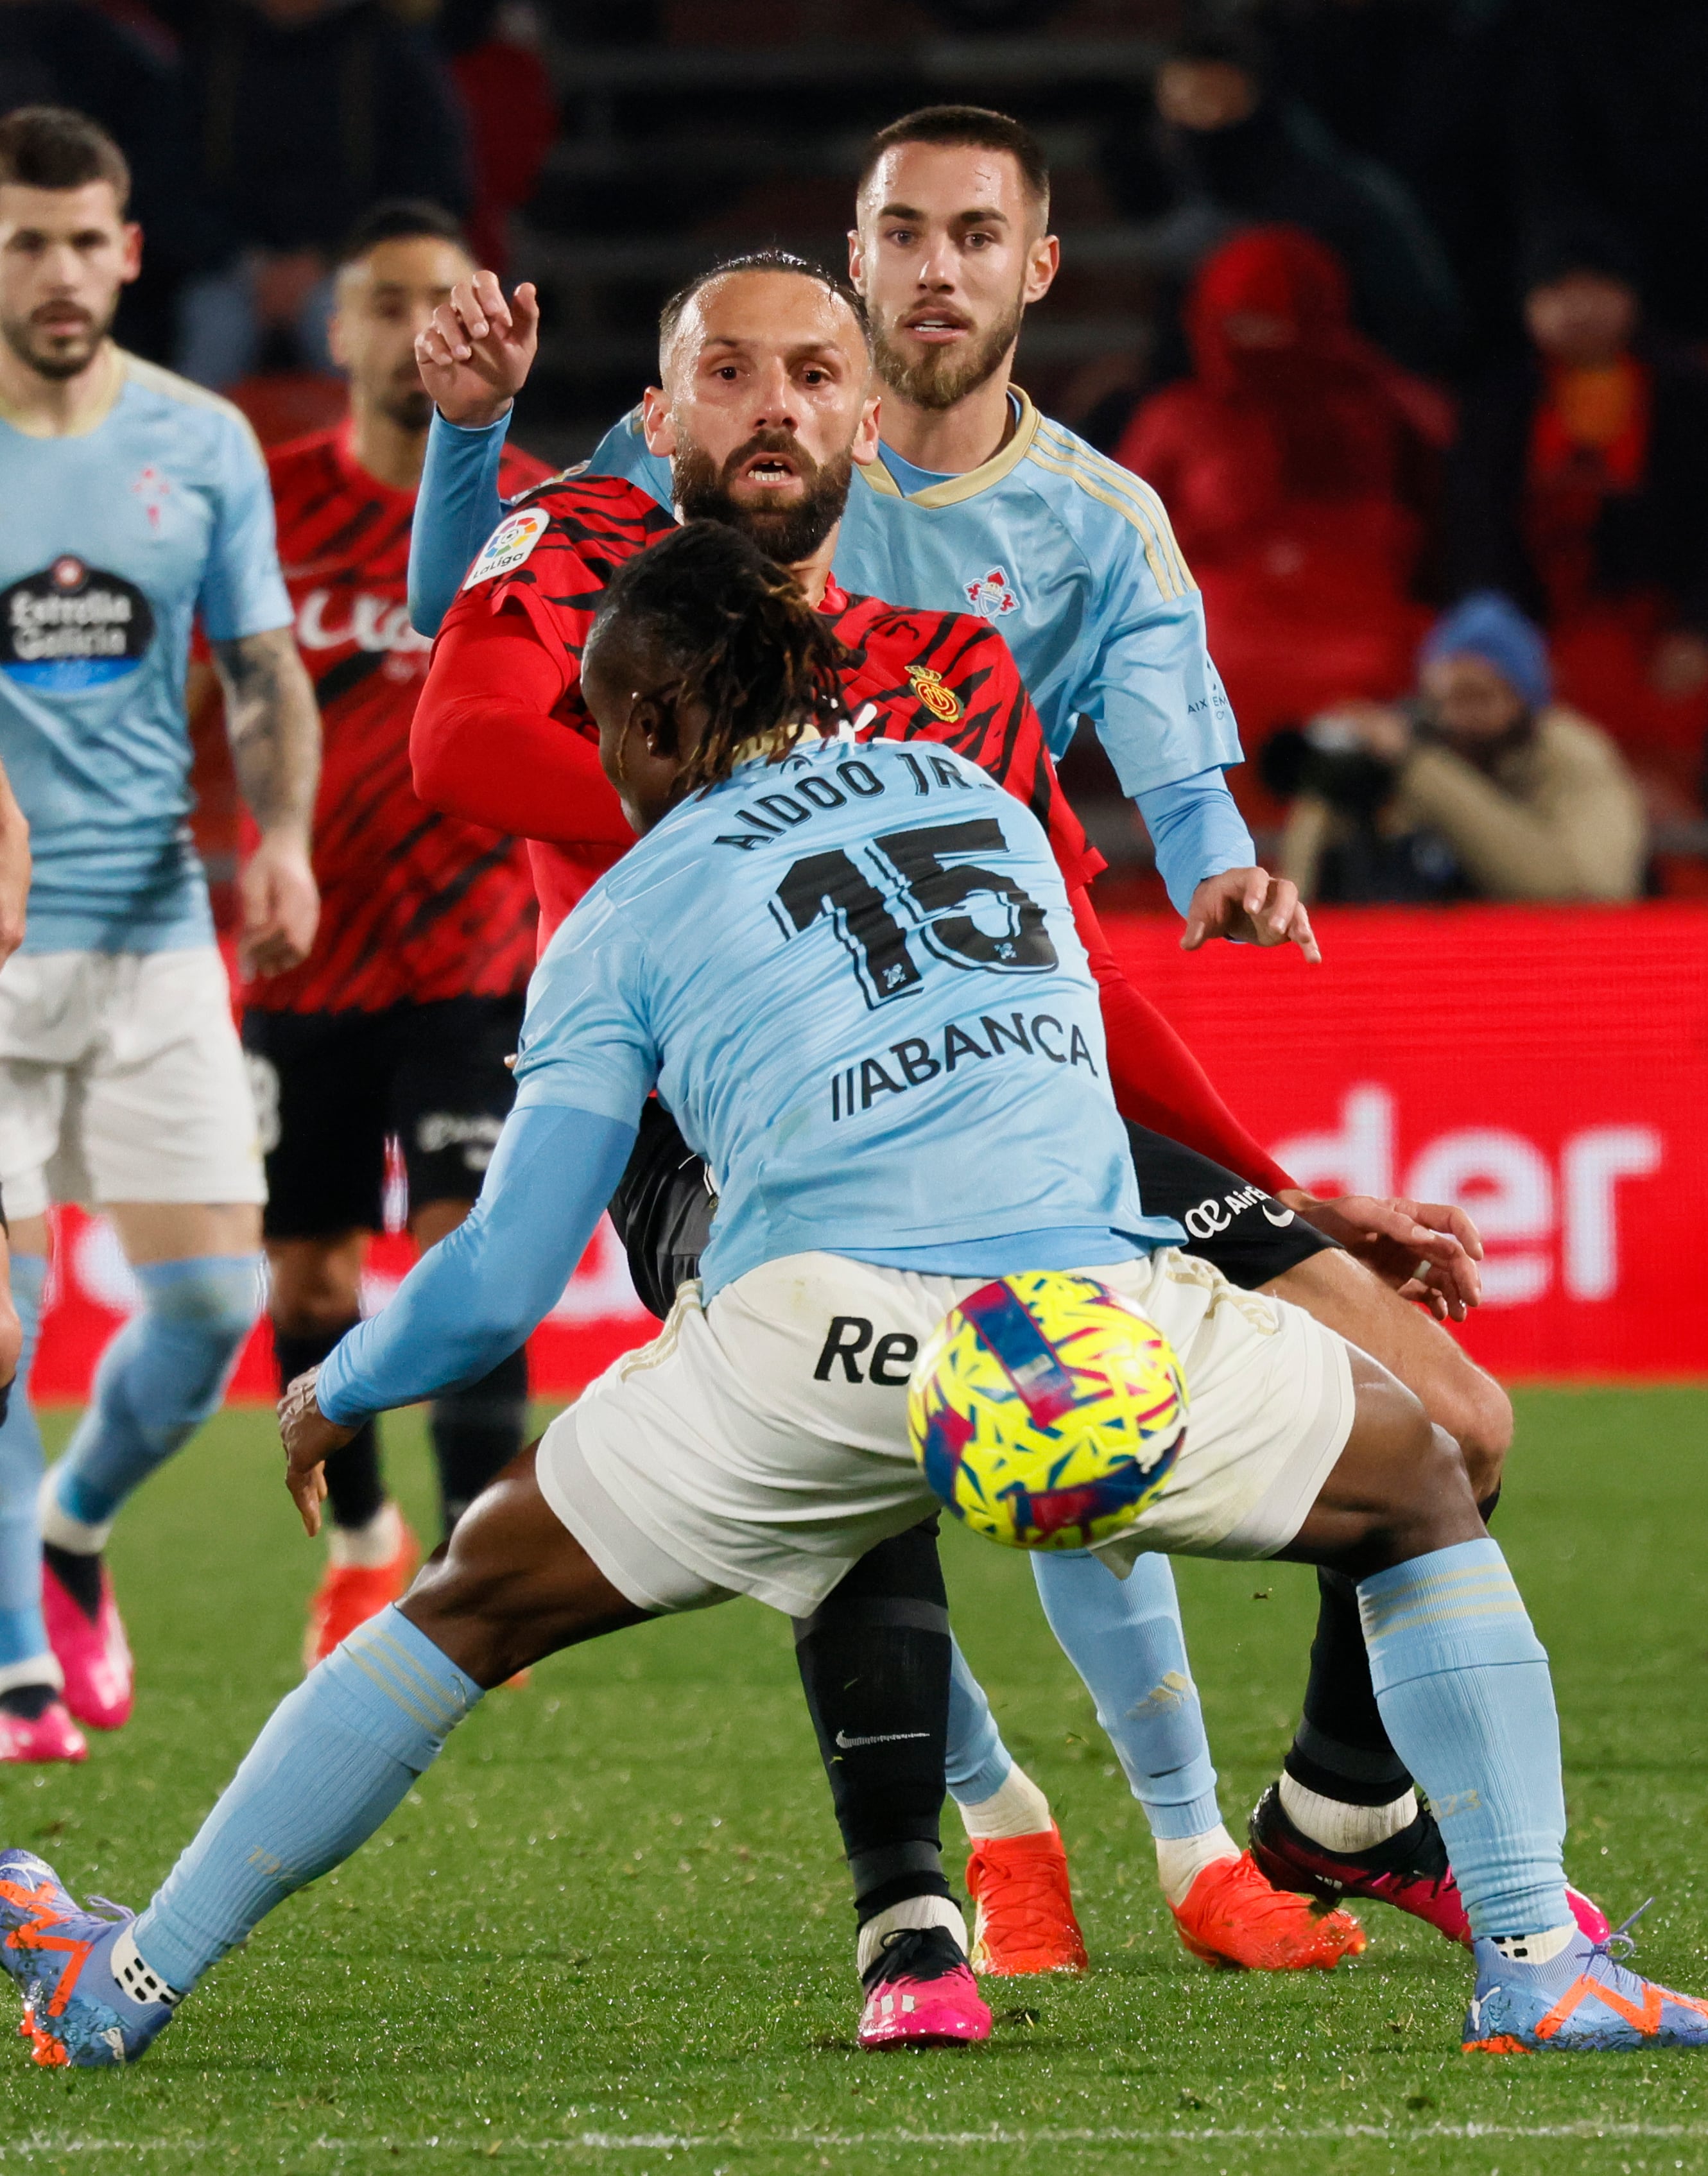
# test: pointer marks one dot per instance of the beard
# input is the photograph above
(787, 534)
(410, 407)
(938, 377)
(56, 355)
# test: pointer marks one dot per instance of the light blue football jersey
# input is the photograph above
(111, 542)
(1070, 555)
(853, 977)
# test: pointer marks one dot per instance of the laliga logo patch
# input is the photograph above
(508, 545)
(992, 595)
(73, 626)
(942, 702)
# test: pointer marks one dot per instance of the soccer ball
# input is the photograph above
(1045, 1412)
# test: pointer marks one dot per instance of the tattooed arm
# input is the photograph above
(14, 871)
(275, 731)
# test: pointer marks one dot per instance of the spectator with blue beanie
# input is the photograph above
(1482, 787)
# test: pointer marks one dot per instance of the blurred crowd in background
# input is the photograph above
(1401, 305)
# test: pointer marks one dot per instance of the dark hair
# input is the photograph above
(756, 261)
(977, 126)
(736, 633)
(401, 218)
(51, 147)
(1556, 248)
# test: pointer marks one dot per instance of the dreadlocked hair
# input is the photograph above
(733, 631)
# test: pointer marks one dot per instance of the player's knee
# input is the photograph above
(458, 1600)
(216, 1298)
(1484, 1430)
(313, 1305)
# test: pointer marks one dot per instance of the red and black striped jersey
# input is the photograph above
(942, 677)
(415, 905)
(948, 677)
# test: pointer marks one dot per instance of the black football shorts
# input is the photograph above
(662, 1210)
(332, 1088)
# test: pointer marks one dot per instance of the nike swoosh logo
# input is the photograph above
(1280, 1222)
(887, 1738)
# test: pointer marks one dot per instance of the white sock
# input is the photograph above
(366, 1548)
(1181, 1859)
(1338, 1826)
(1535, 1948)
(32, 1670)
(911, 1912)
(139, 1982)
(1019, 1809)
(61, 1529)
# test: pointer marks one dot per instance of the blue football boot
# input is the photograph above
(1577, 2003)
(88, 1998)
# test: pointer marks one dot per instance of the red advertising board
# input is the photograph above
(1546, 1067)
(91, 1292)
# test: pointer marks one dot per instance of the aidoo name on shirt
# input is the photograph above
(818, 793)
(916, 1060)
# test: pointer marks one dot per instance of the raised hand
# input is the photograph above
(476, 354)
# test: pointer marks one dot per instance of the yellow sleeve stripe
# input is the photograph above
(1128, 495)
(1134, 489)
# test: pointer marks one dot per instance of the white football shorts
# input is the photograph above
(122, 1078)
(759, 1445)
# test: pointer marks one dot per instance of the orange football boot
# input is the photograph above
(1231, 1916)
(350, 1594)
(1023, 1903)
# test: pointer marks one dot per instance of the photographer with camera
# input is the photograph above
(1481, 787)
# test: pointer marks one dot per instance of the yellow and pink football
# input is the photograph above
(1046, 1411)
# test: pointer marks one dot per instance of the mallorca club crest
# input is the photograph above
(943, 703)
(992, 595)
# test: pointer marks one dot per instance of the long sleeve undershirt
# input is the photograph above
(459, 482)
(471, 1300)
(1197, 830)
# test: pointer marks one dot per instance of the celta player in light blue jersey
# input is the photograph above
(977, 503)
(870, 1010)
(134, 503)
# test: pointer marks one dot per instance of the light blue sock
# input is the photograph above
(23, 1635)
(1463, 1686)
(978, 1762)
(158, 1380)
(336, 1758)
(1125, 1639)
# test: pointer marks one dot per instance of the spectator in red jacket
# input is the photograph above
(1580, 488)
(1297, 463)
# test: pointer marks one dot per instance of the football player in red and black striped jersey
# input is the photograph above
(398, 1023)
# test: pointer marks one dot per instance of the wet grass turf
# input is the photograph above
(610, 1930)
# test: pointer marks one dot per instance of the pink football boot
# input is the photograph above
(921, 1993)
(93, 1652)
(1410, 1872)
(50, 1735)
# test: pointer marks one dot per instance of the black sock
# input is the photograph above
(477, 1431)
(874, 1663)
(1341, 1749)
(79, 1572)
(28, 1701)
(354, 1492)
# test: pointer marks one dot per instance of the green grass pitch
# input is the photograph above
(611, 1931)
